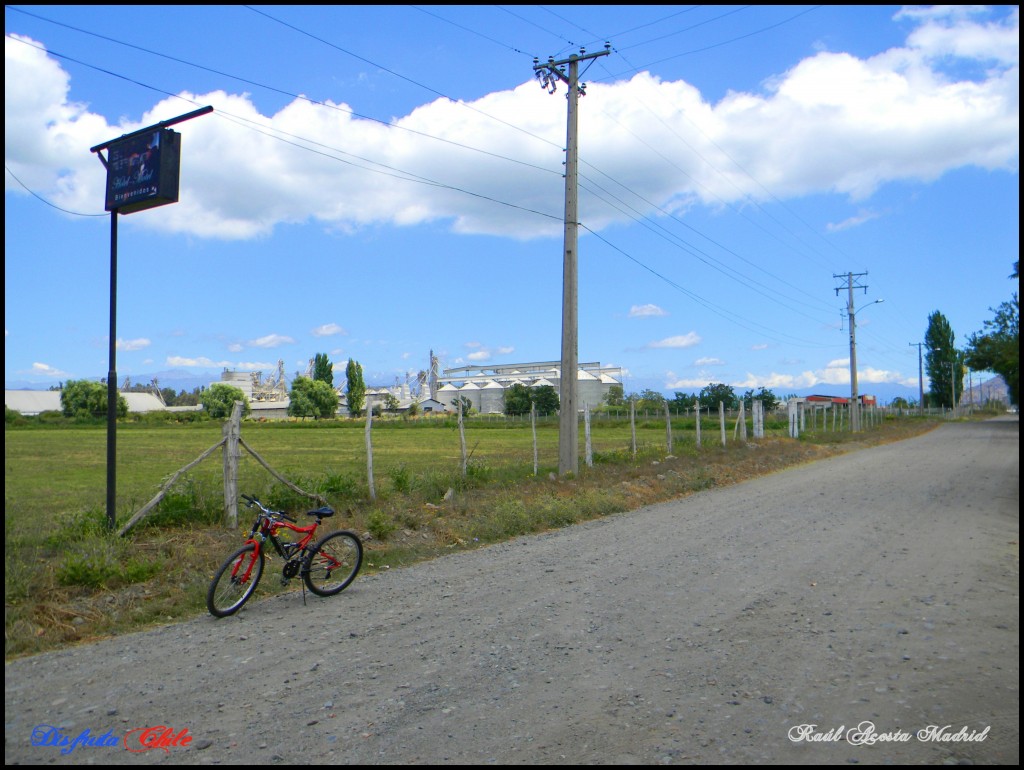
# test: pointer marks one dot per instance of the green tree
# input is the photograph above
(997, 347)
(355, 388)
(467, 405)
(714, 392)
(85, 398)
(323, 369)
(220, 398)
(186, 398)
(682, 401)
(546, 399)
(615, 396)
(517, 399)
(765, 396)
(943, 363)
(312, 398)
(651, 399)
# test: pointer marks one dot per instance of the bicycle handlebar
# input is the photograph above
(251, 501)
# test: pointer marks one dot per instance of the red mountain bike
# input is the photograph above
(326, 566)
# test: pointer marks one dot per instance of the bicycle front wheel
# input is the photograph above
(235, 581)
(333, 563)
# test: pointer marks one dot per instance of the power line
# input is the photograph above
(730, 41)
(409, 177)
(405, 176)
(48, 203)
(281, 91)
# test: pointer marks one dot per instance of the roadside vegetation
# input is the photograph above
(68, 579)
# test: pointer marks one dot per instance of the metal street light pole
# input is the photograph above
(854, 395)
(920, 377)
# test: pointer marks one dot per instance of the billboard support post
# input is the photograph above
(142, 173)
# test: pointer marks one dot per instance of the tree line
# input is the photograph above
(995, 348)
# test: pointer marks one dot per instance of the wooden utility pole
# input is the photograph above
(549, 74)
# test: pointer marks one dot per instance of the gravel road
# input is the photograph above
(821, 615)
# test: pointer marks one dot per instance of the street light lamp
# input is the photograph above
(854, 397)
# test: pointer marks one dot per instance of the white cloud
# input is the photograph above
(480, 355)
(506, 350)
(208, 363)
(696, 383)
(271, 341)
(138, 344)
(47, 370)
(646, 311)
(907, 114)
(861, 217)
(834, 373)
(679, 341)
(328, 330)
(709, 362)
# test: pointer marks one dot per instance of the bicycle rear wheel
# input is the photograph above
(235, 581)
(333, 563)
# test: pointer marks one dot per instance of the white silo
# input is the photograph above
(471, 392)
(447, 394)
(492, 398)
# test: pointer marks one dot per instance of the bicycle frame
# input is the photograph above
(266, 527)
(326, 566)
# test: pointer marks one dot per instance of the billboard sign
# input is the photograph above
(143, 170)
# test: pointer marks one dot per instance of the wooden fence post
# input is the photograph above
(668, 428)
(721, 419)
(741, 422)
(231, 430)
(697, 412)
(369, 453)
(632, 425)
(533, 426)
(586, 432)
(462, 438)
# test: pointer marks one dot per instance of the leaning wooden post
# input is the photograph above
(586, 432)
(369, 452)
(741, 422)
(668, 429)
(721, 419)
(232, 430)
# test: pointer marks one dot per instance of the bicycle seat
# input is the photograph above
(322, 513)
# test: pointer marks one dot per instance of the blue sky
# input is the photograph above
(380, 181)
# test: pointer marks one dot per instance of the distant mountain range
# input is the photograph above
(993, 388)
